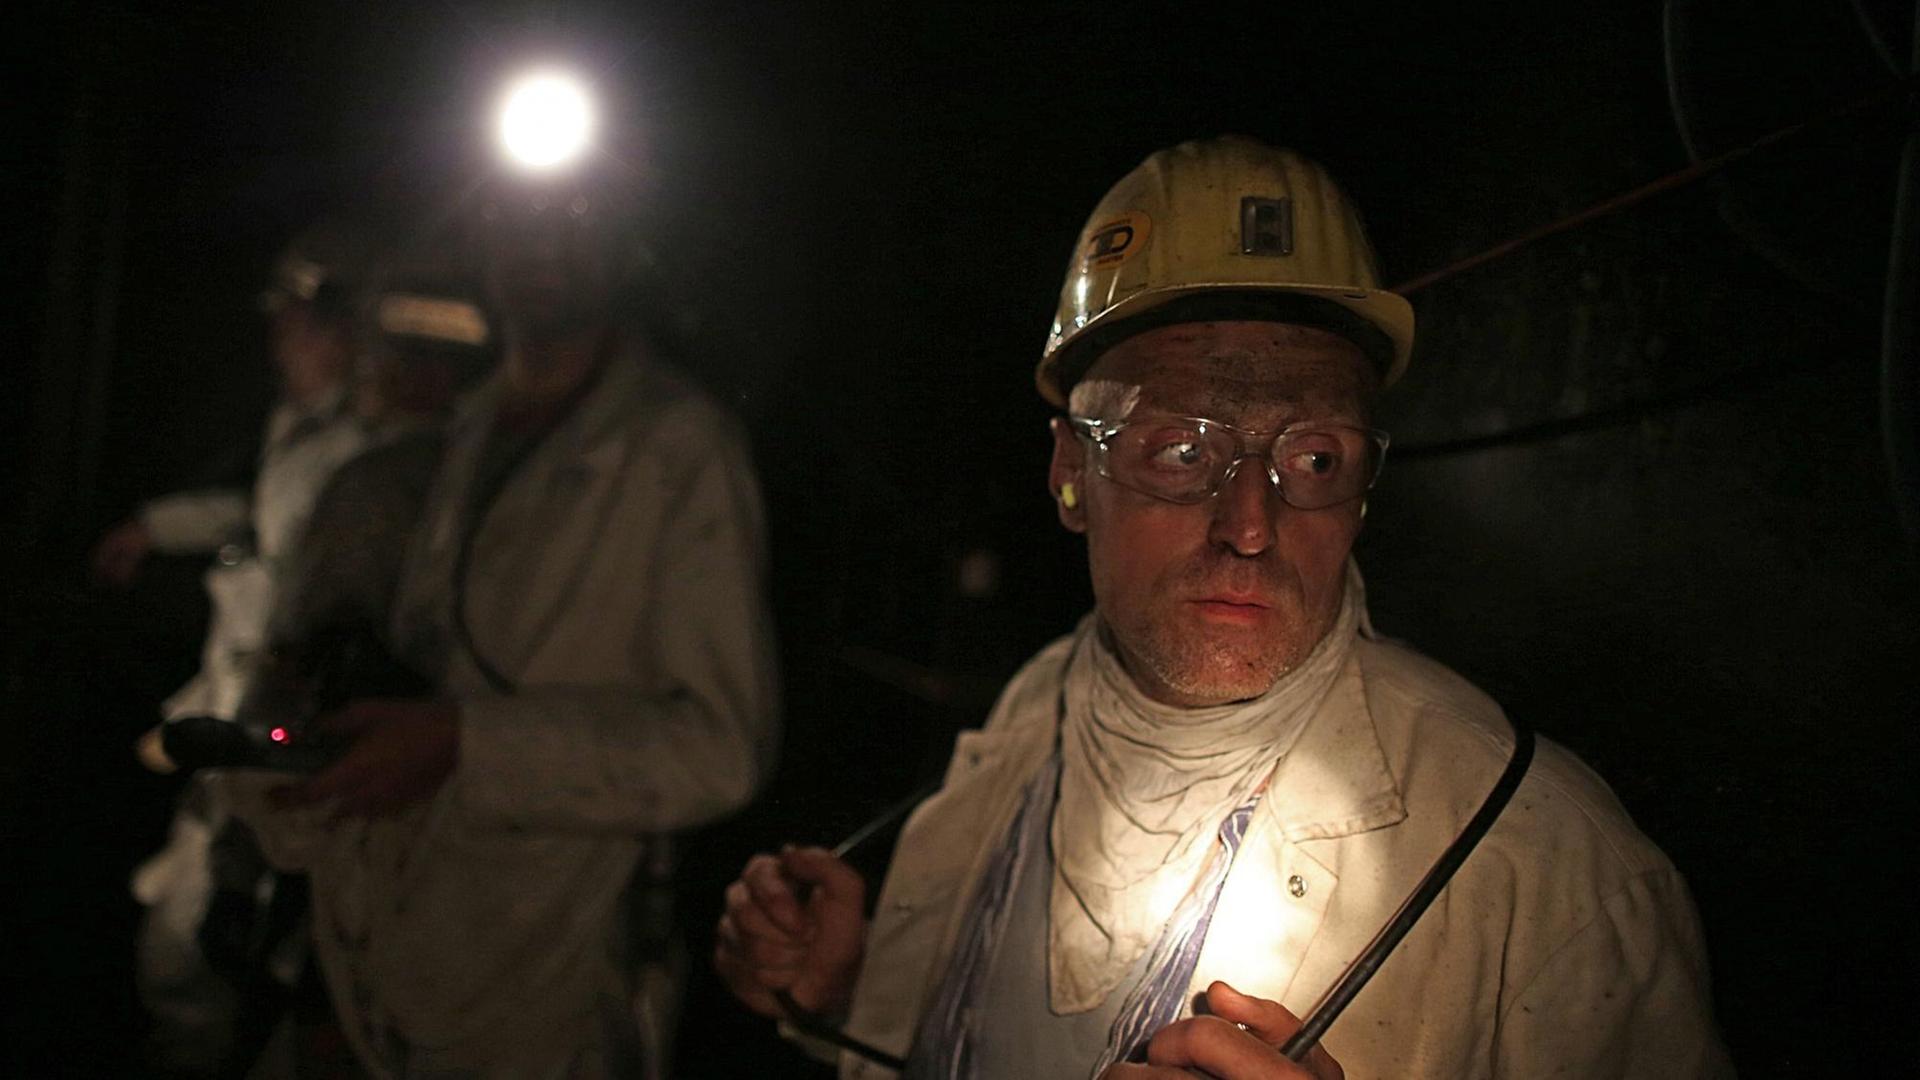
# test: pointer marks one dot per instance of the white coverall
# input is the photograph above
(1566, 946)
(303, 447)
(618, 581)
(251, 537)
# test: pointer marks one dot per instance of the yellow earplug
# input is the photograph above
(1067, 498)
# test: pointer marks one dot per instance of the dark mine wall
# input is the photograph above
(1687, 565)
(1708, 598)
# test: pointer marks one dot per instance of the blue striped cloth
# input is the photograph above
(1159, 999)
(943, 1045)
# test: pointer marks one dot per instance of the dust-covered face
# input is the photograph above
(1213, 602)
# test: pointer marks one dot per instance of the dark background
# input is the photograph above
(1637, 492)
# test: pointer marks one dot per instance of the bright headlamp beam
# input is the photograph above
(546, 121)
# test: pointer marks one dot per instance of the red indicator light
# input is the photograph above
(278, 734)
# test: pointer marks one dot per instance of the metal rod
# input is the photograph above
(885, 818)
(1899, 337)
(814, 1025)
(1701, 168)
(1368, 962)
(1336, 1000)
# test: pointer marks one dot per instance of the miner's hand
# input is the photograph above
(794, 922)
(1241, 1040)
(402, 751)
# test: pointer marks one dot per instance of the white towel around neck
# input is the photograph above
(1143, 790)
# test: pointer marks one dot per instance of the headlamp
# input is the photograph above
(546, 122)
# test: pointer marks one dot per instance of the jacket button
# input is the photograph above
(1297, 885)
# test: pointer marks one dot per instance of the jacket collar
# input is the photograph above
(599, 411)
(1335, 780)
(572, 477)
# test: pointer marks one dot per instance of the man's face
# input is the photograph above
(1213, 602)
(548, 272)
(311, 352)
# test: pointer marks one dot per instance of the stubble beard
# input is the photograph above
(1204, 664)
(1204, 667)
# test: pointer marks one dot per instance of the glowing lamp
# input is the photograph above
(546, 121)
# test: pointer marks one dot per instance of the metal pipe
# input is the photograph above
(814, 1025)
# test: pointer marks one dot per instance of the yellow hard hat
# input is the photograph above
(1230, 227)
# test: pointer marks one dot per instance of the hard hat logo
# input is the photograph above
(1239, 230)
(1114, 241)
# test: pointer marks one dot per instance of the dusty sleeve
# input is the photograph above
(195, 521)
(1625, 997)
(618, 757)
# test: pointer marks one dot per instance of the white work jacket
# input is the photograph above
(302, 449)
(1566, 946)
(618, 580)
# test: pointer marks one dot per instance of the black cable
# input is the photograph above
(1368, 962)
(1899, 405)
(813, 1024)
(1877, 41)
(1336, 1000)
(1899, 340)
(816, 1026)
(1676, 36)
